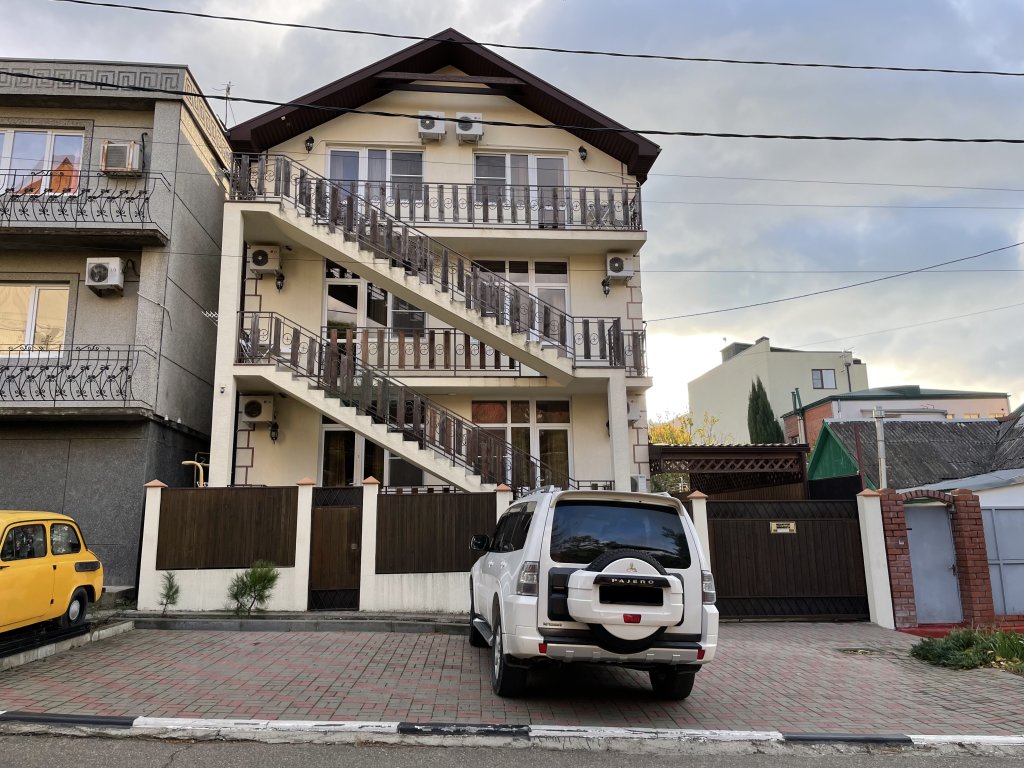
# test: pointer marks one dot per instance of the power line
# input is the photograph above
(838, 288)
(912, 325)
(511, 124)
(547, 49)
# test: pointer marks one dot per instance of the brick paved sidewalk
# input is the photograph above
(767, 676)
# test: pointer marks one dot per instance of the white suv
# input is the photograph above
(594, 576)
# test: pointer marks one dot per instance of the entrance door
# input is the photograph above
(933, 562)
(334, 557)
(551, 189)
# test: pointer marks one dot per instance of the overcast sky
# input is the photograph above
(797, 235)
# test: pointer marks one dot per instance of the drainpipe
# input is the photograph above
(798, 406)
(879, 415)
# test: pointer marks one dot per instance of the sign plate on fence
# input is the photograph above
(783, 526)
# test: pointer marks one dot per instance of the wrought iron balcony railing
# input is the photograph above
(266, 338)
(450, 352)
(36, 198)
(92, 374)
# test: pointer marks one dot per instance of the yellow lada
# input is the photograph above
(46, 571)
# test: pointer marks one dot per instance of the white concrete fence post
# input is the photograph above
(303, 533)
(699, 505)
(368, 597)
(503, 498)
(876, 563)
(148, 598)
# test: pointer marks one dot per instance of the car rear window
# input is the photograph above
(583, 529)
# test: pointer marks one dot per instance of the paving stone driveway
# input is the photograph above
(767, 676)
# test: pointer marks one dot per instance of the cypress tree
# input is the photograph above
(761, 421)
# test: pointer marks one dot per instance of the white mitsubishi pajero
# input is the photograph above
(594, 576)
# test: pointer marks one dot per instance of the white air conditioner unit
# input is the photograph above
(638, 483)
(467, 126)
(632, 410)
(619, 266)
(432, 126)
(257, 409)
(121, 158)
(264, 258)
(105, 275)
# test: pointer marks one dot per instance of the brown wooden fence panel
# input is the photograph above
(817, 571)
(226, 527)
(429, 533)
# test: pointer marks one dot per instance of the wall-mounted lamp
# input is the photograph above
(275, 432)
(279, 280)
(310, 143)
(583, 154)
(606, 286)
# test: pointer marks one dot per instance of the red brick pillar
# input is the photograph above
(897, 550)
(972, 560)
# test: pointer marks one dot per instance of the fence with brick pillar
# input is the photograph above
(897, 548)
(972, 559)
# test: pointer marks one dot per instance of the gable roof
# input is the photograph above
(447, 48)
(916, 452)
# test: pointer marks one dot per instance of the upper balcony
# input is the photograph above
(55, 208)
(605, 209)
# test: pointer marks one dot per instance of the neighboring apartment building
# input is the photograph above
(110, 222)
(907, 402)
(435, 300)
(724, 391)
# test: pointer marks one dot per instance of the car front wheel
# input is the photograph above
(671, 683)
(74, 616)
(506, 680)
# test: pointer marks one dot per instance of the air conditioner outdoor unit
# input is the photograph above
(638, 483)
(121, 158)
(467, 126)
(619, 266)
(257, 409)
(432, 126)
(105, 275)
(632, 411)
(264, 258)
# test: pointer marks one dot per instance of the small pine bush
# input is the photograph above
(252, 588)
(169, 591)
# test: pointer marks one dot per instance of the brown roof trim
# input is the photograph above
(449, 47)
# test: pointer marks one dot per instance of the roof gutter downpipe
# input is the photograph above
(879, 415)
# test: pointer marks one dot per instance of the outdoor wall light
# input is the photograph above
(583, 154)
(279, 281)
(606, 286)
(310, 143)
(275, 432)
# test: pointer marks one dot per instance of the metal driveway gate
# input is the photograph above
(1004, 540)
(787, 559)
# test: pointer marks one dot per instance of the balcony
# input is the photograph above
(92, 375)
(39, 205)
(607, 208)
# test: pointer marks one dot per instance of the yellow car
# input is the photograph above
(46, 571)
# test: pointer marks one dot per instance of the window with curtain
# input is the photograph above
(407, 176)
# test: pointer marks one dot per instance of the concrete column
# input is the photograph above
(368, 597)
(503, 498)
(223, 427)
(618, 430)
(699, 505)
(303, 530)
(876, 563)
(149, 579)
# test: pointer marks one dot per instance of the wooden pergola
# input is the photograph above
(737, 471)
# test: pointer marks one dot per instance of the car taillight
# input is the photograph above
(707, 587)
(526, 581)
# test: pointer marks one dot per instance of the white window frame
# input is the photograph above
(533, 425)
(28, 334)
(364, 162)
(7, 173)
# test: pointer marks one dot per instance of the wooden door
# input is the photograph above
(335, 542)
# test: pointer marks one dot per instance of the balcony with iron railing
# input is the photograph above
(480, 204)
(78, 376)
(77, 203)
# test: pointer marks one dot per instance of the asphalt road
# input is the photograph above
(49, 751)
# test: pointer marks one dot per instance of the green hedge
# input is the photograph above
(969, 648)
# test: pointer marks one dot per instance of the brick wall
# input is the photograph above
(972, 559)
(813, 419)
(897, 549)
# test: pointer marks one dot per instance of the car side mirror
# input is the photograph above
(481, 542)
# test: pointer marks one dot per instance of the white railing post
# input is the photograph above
(699, 505)
(303, 531)
(149, 583)
(503, 498)
(368, 597)
(876, 562)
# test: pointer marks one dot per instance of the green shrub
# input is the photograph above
(251, 588)
(970, 648)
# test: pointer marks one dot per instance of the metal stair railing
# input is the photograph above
(267, 338)
(336, 205)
